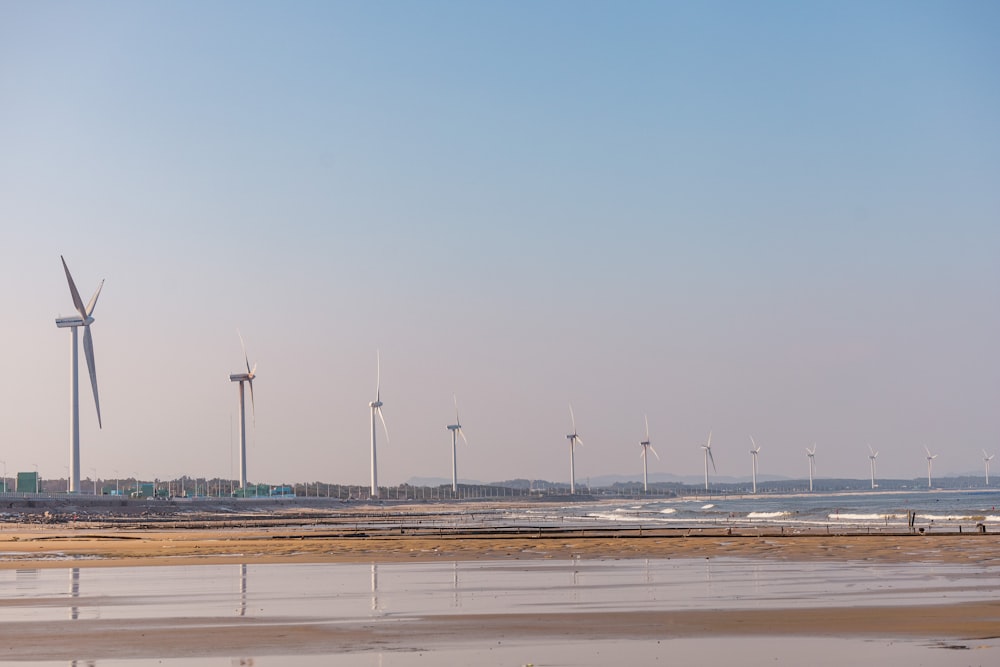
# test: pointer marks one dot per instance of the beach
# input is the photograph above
(599, 585)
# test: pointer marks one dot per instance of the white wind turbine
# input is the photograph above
(376, 407)
(812, 464)
(754, 451)
(708, 456)
(986, 459)
(930, 461)
(84, 320)
(248, 379)
(573, 440)
(871, 457)
(646, 447)
(456, 430)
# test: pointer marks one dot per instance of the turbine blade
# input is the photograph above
(77, 301)
(384, 427)
(244, 348)
(457, 420)
(646, 418)
(462, 433)
(378, 376)
(926, 449)
(654, 452)
(88, 351)
(577, 440)
(712, 459)
(93, 300)
(572, 417)
(253, 408)
(710, 439)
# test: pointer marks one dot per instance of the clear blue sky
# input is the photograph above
(776, 219)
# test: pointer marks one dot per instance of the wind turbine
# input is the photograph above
(930, 461)
(754, 451)
(84, 320)
(573, 439)
(871, 457)
(812, 464)
(248, 379)
(456, 430)
(376, 407)
(646, 448)
(708, 455)
(986, 459)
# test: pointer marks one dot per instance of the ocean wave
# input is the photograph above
(668, 510)
(611, 516)
(766, 515)
(708, 506)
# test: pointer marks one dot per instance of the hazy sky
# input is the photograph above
(777, 219)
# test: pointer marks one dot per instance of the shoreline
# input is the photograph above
(226, 636)
(60, 547)
(415, 534)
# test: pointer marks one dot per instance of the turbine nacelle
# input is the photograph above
(375, 404)
(66, 322)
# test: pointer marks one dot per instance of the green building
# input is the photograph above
(28, 482)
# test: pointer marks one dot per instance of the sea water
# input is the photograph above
(854, 510)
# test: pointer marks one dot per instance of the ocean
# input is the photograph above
(855, 510)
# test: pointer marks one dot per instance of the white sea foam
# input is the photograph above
(708, 506)
(668, 510)
(767, 515)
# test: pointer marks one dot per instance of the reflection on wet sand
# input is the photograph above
(186, 611)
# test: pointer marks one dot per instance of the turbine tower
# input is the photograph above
(812, 464)
(708, 456)
(754, 451)
(84, 320)
(646, 448)
(456, 430)
(930, 461)
(376, 407)
(248, 379)
(573, 440)
(871, 457)
(986, 459)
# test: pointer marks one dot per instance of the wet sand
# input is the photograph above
(94, 546)
(226, 636)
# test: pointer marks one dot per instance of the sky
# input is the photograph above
(772, 219)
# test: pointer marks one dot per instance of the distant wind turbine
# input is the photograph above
(986, 459)
(754, 451)
(812, 464)
(871, 457)
(456, 430)
(573, 440)
(930, 461)
(708, 456)
(248, 378)
(646, 447)
(376, 407)
(84, 320)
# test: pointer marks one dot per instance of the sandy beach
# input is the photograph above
(61, 548)
(91, 545)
